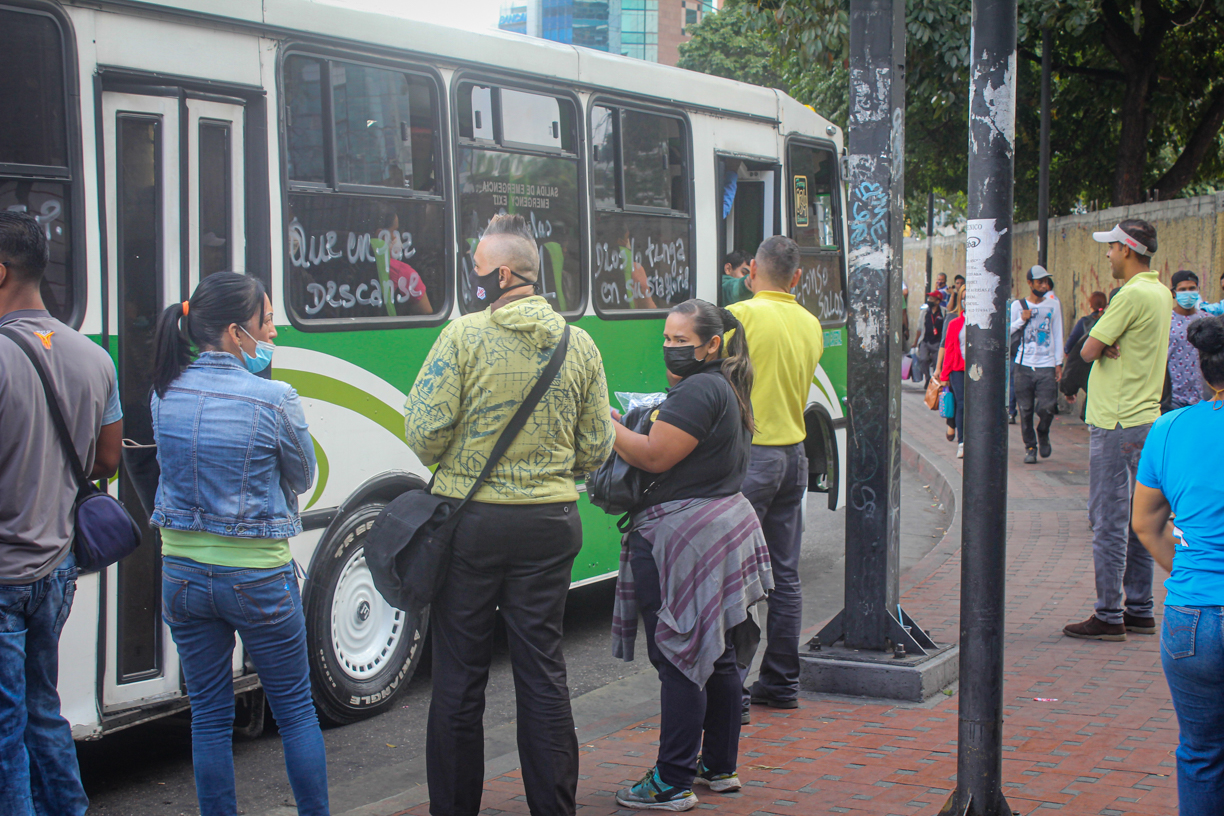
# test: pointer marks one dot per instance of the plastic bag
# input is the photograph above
(631, 399)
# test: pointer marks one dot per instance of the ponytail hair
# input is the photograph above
(710, 320)
(197, 324)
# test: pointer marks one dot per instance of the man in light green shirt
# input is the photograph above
(1129, 348)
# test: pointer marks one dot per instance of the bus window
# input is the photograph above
(517, 153)
(384, 124)
(35, 174)
(365, 234)
(215, 185)
(642, 223)
(815, 224)
(304, 117)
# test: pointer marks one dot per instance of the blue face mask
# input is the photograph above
(1187, 300)
(263, 354)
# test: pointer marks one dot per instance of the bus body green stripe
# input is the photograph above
(337, 392)
(324, 472)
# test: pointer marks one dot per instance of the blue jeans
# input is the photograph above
(204, 605)
(956, 381)
(39, 775)
(1192, 651)
(776, 484)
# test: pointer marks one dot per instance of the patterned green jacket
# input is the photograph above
(477, 374)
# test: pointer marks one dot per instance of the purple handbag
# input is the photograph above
(104, 530)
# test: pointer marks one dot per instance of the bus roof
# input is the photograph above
(583, 67)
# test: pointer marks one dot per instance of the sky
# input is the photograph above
(474, 15)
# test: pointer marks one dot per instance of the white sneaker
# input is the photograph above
(960, 451)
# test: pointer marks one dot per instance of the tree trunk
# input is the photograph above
(1133, 140)
(1200, 143)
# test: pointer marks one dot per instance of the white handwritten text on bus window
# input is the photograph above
(665, 265)
(319, 249)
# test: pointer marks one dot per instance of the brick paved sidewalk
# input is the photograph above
(1089, 726)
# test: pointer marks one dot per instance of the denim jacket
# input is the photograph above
(234, 452)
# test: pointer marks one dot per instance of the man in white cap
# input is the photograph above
(1038, 361)
(1129, 346)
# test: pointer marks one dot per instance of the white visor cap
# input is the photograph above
(1121, 236)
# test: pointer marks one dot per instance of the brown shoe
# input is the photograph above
(1095, 629)
(1141, 626)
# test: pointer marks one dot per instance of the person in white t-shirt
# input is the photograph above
(1038, 361)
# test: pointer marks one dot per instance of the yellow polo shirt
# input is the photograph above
(785, 342)
(1126, 391)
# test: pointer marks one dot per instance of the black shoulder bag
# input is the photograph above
(104, 530)
(408, 548)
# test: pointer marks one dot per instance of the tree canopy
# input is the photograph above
(1137, 91)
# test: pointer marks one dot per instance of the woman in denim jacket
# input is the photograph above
(234, 455)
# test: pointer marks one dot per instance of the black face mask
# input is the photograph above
(489, 289)
(682, 360)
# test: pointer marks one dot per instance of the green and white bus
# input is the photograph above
(350, 161)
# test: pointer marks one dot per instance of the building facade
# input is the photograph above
(650, 30)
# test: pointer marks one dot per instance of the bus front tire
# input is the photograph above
(363, 652)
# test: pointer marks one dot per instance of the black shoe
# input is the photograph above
(1030, 458)
(1011, 419)
(1046, 450)
(772, 702)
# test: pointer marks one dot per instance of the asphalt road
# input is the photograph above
(146, 770)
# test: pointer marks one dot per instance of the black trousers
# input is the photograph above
(516, 559)
(1036, 391)
(692, 718)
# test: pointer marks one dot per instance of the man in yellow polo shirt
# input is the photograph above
(785, 341)
(1129, 347)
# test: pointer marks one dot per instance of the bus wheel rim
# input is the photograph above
(365, 629)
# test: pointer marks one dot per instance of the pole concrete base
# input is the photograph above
(862, 673)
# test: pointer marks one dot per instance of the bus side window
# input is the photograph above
(35, 168)
(640, 171)
(365, 232)
(814, 210)
(517, 152)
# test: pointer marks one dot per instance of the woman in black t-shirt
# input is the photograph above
(695, 560)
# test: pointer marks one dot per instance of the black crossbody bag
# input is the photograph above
(104, 530)
(408, 548)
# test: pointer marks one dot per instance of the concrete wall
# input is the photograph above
(1189, 231)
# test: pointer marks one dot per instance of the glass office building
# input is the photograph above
(628, 27)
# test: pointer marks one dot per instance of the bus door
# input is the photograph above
(170, 219)
(748, 213)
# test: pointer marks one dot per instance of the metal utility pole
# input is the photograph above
(871, 618)
(1043, 184)
(930, 259)
(992, 128)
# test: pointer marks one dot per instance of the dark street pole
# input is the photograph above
(930, 259)
(871, 618)
(1043, 184)
(988, 254)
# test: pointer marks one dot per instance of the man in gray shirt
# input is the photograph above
(38, 765)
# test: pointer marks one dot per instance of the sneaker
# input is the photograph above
(652, 793)
(1095, 629)
(960, 451)
(1140, 626)
(1011, 419)
(1046, 450)
(719, 783)
(746, 716)
(1030, 457)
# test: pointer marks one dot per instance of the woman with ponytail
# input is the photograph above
(1179, 476)
(234, 453)
(695, 560)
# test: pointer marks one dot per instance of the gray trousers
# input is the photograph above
(776, 484)
(1036, 392)
(928, 356)
(1122, 564)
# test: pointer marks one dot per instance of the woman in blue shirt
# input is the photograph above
(1179, 516)
(234, 454)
